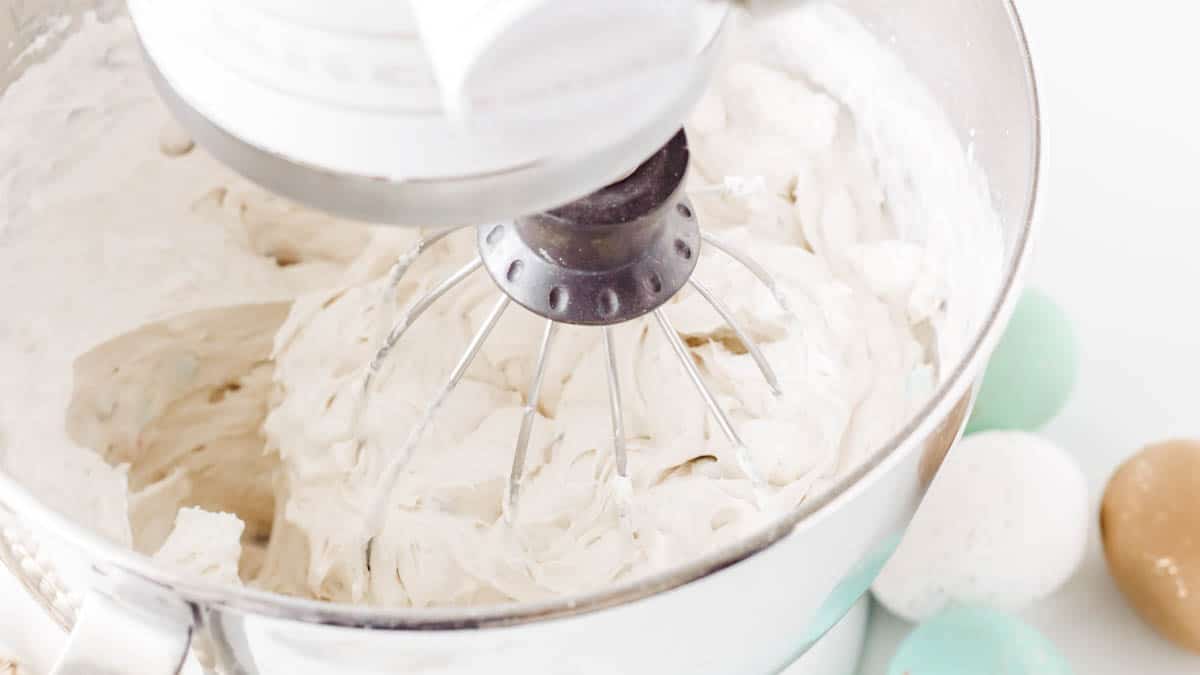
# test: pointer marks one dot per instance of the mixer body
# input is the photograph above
(751, 608)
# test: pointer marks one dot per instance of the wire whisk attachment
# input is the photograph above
(616, 255)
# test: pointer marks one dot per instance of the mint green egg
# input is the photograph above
(1033, 370)
(976, 641)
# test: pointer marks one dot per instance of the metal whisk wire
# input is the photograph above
(750, 264)
(392, 470)
(622, 486)
(751, 346)
(513, 491)
(710, 400)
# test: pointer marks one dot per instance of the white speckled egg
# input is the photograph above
(1004, 523)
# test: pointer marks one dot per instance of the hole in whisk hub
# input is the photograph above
(558, 298)
(514, 270)
(683, 250)
(608, 303)
(495, 235)
(654, 283)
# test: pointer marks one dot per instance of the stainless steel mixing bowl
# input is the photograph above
(748, 608)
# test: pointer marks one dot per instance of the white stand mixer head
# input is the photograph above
(430, 112)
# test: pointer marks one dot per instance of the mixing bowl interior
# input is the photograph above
(987, 92)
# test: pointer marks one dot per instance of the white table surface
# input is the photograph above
(1120, 250)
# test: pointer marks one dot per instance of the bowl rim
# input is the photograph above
(113, 560)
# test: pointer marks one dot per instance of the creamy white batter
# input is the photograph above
(183, 339)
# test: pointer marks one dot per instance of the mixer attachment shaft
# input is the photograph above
(610, 257)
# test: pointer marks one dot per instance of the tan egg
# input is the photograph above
(1150, 524)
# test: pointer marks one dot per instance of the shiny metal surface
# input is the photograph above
(608, 257)
(768, 588)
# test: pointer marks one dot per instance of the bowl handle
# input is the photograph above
(116, 636)
(145, 632)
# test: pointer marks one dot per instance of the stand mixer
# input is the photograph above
(506, 110)
(517, 119)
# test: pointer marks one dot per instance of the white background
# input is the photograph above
(1120, 249)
